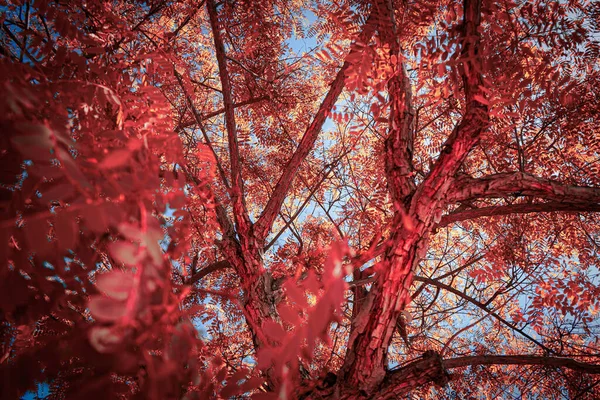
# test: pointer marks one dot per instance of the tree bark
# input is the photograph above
(366, 358)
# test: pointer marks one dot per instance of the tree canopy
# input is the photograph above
(300, 199)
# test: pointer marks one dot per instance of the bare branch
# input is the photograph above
(198, 118)
(313, 190)
(482, 307)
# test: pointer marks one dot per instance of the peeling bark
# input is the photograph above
(372, 330)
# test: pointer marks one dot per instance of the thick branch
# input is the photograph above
(266, 219)
(516, 209)
(523, 184)
(556, 362)
(467, 133)
(374, 326)
(431, 368)
(216, 266)
(399, 143)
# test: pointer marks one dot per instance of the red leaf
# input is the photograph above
(115, 284)
(66, 230)
(36, 233)
(273, 330)
(57, 192)
(295, 294)
(289, 314)
(311, 283)
(115, 159)
(220, 376)
(333, 264)
(231, 389)
(127, 253)
(95, 50)
(34, 142)
(104, 339)
(481, 99)
(106, 309)
(94, 218)
(265, 396)
(251, 384)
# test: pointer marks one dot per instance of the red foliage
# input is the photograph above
(192, 206)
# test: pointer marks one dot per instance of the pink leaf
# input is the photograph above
(104, 339)
(106, 309)
(115, 159)
(481, 99)
(66, 230)
(127, 253)
(115, 284)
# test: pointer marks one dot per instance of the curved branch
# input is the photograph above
(522, 184)
(432, 368)
(516, 209)
(373, 328)
(557, 362)
(207, 116)
(468, 132)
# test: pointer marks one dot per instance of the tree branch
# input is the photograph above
(399, 143)
(429, 368)
(212, 114)
(313, 190)
(237, 186)
(482, 307)
(467, 133)
(373, 328)
(556, 362)
(432, 368)
(522, 184)
(271, 210)
(216, 266)
(198, 119)
(516, 209)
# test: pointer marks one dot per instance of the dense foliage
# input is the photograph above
(300, 199)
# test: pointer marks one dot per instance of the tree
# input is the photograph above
(193, 205)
